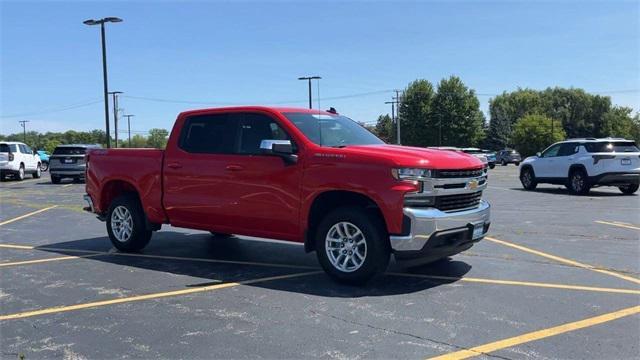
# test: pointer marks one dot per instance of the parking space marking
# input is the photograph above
(27, 215)
(67, 185)
(521, 283)
(617, 223)
(21, 182)
(38, 261)
(537, 335)
(67, 308)
(564, 260)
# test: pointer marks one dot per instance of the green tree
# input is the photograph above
(384, 129)
(506, 109)
(138, 141)
(533, 133)
(157, 138)
(416, 124)
(455, 112)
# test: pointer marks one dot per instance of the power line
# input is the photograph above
(52, 110)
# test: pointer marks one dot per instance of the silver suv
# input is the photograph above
(67, 161)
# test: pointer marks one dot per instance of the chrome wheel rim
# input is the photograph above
(526, 178)
(38, 171)
(577, 182)
(346, 247)
(21, 173)
(121, 223)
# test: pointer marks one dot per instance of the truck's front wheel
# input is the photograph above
(350, 246)
(126, 224)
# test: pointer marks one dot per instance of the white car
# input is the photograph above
(17, 159)
(581, 164)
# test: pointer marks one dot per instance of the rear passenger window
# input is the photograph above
(568, 149)
(257, 127)
(213, 134)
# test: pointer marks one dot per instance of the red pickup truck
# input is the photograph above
(307, 176)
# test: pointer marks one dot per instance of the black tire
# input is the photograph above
(220, 235)
(138, 236)
(528, 178)
(517, 163)
(491, 166)
(44, 166)
(629, 189)
(55, 179)
(20, 175)
(504, 163)
(376, 248)
(36, 174)
(579, 182)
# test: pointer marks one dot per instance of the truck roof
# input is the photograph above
(280, 109)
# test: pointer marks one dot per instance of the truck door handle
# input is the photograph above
(234, 168)
(174, 165)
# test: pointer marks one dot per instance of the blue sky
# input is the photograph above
(252, 53)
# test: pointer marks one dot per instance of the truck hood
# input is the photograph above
(408, 156)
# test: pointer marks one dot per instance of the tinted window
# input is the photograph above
(215, 134)
(614, 146)
(4, 148)
(552, 151)
(332, 130)
(23, 148)
(257, 127)
(69, 150)
(567, 149)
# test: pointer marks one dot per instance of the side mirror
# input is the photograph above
(282, 148)
(538, 154)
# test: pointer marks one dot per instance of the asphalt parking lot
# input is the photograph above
(558, 277)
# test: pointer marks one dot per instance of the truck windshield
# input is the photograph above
(332, 130)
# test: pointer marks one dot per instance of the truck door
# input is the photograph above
(217, 180)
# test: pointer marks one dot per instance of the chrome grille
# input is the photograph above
(458, 201)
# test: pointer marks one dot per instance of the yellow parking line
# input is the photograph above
(521, 283)
(22, 182)
(618, 224)
(38, 261)
(67, 185)
(158, 295)
(21, 247)
(537, 335)
(27, 215)
(564, 260)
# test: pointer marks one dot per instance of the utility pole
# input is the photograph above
(129, 126)
(309, 78)
(115, 113)
(23, 123)
(101, 22)
(398, 99)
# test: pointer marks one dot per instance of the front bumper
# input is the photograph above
(435, 234)
(89, 201)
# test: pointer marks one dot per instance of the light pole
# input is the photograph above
(309, 78)
(129, 126)
(104, 68)
(23, 123)
(115, 113)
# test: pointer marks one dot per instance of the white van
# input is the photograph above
(17, 159)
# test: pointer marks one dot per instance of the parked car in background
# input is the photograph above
(480, 154)
(17, 159)
(491, 157)
(44, 160)
(508, 156)
(299, 175)
(68, 161)
(581, 164)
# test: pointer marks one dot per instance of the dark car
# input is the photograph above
(67, 161)
(508, 156)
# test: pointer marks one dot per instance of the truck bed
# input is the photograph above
(111, 170)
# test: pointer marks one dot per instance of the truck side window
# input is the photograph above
(212, 134)
(257, 127)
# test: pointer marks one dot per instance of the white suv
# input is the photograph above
(581, 164)
(17, 159)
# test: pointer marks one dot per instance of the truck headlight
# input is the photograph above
(411, 174)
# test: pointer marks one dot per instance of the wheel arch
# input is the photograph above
(575, 167)
(332, 199)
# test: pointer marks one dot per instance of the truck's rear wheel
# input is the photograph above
(126, 224)
(350, 246)
(579, 182)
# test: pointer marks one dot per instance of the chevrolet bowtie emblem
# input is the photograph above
(473, 184)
